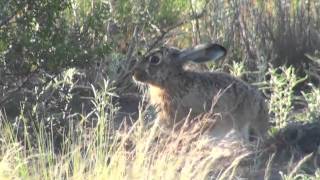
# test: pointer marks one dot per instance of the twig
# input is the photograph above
(133, 43)
(197, 33)
(131, 48)
(10, 93)
(245, 37)
(167, 30)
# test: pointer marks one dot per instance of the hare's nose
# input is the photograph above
(137, 71)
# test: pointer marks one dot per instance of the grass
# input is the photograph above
(134, 155)
(52, 142)
(140, 152)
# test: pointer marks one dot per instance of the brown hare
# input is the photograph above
(178, 93)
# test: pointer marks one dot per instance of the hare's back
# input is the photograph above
(230, 91)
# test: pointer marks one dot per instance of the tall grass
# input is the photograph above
(141, 152)
(100, 153)
(47, 140)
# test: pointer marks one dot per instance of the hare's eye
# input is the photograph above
(154, 60)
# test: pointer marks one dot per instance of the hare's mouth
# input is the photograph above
(140, 76)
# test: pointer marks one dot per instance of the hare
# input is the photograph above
(177, 93)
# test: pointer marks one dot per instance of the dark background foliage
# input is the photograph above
(41, 39)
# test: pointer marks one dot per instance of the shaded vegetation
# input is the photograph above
(65, 85)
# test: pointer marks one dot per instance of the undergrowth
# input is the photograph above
(98, 151)
(58, 122)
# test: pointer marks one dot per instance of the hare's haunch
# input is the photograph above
(176, 92)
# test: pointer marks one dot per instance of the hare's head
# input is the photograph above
(162, 64)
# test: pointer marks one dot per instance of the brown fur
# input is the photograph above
(176, 93)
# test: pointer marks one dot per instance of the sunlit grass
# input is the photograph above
(134, 155)
(100, 152)
(142, 151)
(257, 32)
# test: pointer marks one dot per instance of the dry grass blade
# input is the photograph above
(233, 167)
(268, 168)
(299, 165)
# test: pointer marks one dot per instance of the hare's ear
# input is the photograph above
(203, 53)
